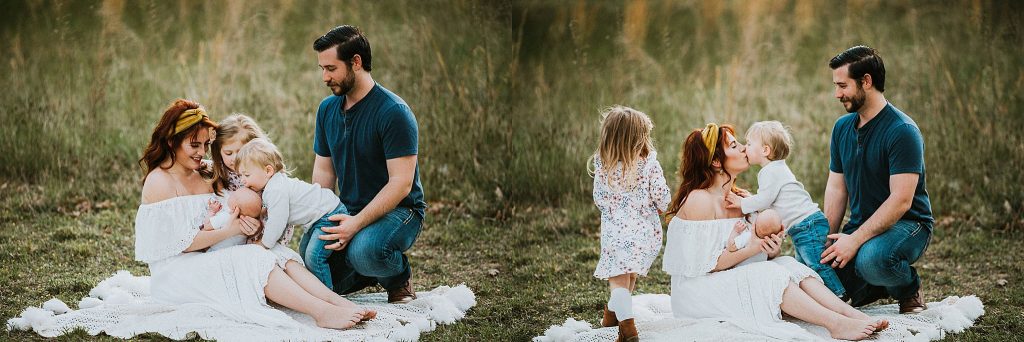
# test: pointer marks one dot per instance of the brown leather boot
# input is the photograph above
(913, 304)
(402, 294)
(609, 319)
(627, 331)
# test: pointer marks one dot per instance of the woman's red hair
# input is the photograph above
(162, 142)
(695, 172)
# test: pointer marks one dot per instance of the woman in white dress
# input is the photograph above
(236, 281)
(710, 282)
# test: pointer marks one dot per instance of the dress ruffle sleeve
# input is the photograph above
(166, 228)
(692, 247)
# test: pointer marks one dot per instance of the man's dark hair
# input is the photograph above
(349, 41)
(862, 60)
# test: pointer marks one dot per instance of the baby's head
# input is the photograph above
(768, 141)
(768, 223)
(257, 161)
(247, 201)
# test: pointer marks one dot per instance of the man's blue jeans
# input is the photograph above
(376, 253)
(314, 255)
(809, 238)
(882, 265)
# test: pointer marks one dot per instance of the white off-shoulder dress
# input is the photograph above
(230, 280)
(748, 295)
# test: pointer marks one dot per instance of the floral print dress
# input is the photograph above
(631, 233)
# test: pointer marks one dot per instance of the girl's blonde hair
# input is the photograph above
(773, 134)
(238, 127)
(261, 152)
(625, 140)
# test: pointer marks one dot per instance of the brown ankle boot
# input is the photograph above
(627, 332)
(609, 319)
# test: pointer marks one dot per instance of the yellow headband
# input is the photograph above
(188, 118)
(710, 136)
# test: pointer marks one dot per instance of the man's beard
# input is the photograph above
(856, 102)
(345, 85)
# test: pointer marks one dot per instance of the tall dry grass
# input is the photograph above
(507, 94)
(86, 81)
(955, 67)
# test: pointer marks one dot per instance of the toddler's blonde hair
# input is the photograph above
(261, 152)
(774, 135)
(625, 139)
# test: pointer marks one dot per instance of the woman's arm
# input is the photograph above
(701, 206)
(729, 259)
(235, 226)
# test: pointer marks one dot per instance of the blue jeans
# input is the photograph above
(312, 248)
(809, 242)
(376, 254)
(882, 265)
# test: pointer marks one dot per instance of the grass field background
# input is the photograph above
(507, 95)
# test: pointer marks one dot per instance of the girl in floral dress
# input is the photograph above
(630, 191)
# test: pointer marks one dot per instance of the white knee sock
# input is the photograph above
(621, 302)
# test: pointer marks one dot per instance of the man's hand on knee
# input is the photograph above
(842, 251)
(344, 232)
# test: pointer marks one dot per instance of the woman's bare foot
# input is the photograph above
(851, 329)
(367, 314)
(856, 314)
(336, 317)
(878, 325)
(342, 302)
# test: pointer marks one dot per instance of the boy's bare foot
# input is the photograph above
(846, 328)
(335, 317)
(880, 324)
(369, 314)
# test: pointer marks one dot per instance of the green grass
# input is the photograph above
(544, 258)
(507, 95)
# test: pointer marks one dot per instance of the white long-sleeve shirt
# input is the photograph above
(291, 201)
(777, 188)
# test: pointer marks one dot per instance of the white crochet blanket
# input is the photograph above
(120, 306)
(654, 319)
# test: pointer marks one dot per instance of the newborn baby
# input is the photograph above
(766, 223)
(248, 203)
